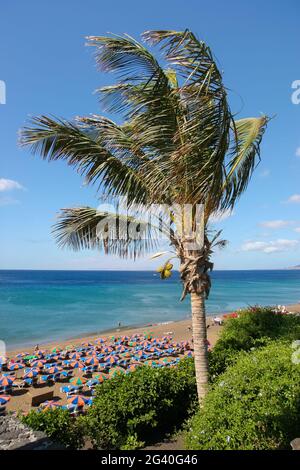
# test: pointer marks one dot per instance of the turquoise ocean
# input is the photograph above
(43, 306)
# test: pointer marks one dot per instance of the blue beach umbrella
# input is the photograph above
(6, 380)
(4, 399)
(78, 400)
(30, 373)
(15, 366)
(93, 382)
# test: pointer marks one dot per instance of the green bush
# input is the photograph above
(254, 405)
(140, 407)
(254, 327)
(58, 425)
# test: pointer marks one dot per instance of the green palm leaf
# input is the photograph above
(245, 156)
(87, 228)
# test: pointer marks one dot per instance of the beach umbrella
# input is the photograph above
(123, 362)
(92, 382)
(92, 361)
(30, 373)
(65, 373)
(21, 355)
(100, 340)
(38, 363)
(100, 377)
(77, 381)
(120, 348)
(4, 399)
(74, 356)
(56, 350)
(66, 363)
(49, 405)
(132, 367)
(3, 360)
(140, 353)
(55, 357)
(164, 361)
(152, 350)
(78, 400)
(111, 359)
(43, 379)
(150, 363)
(6, 380)
(54, 370)
(15, 366)
(148, 335)
(29, 357)
(188, 353)
(116, 371)
(28, 380)
(126, 354)
(40, 352)
(76, 364)
(91, 352)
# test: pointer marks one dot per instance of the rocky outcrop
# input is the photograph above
(15, 435)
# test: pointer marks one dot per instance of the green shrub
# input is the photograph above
(58, 425)
(139, 407)
(255, 404)
(254, 327)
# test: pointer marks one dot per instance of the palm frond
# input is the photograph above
(204, 130)
(145, 92)
(87, 228)
(245, 155)
(99, 149)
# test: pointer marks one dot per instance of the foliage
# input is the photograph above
(254, 405)
(253, 328)
(178, 142)
(139, 407)
(58, 425)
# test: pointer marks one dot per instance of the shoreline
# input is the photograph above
(157, 328)
(180, 330)
(77, 339)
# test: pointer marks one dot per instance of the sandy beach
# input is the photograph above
(179, 330)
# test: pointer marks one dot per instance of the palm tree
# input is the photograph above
(178, 145)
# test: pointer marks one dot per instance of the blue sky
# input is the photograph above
(47, 69)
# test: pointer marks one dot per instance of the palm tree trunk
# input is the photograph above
(200, 343)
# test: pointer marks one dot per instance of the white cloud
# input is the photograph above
(220, 216)
(9, 185)
(274, 224)
(271, 246)
(295, 198)
(297, 153)
(297, 229)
